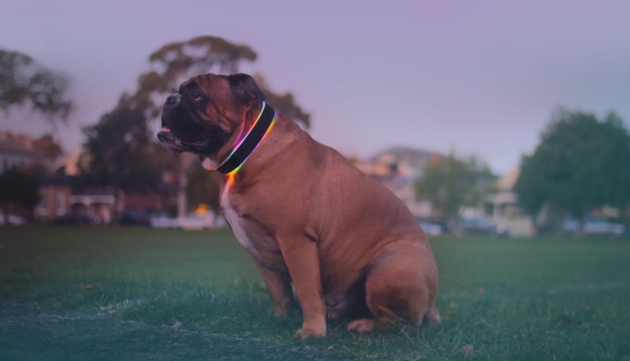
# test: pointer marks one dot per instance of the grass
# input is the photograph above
(519, 299)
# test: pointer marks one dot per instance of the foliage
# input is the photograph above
(120, 151)
(284, 103)
(175, 62)
(47, 144)
(20, 187)
(23, 81)
(202, 187)
(581, 163)
(451, 183)
(530, 186)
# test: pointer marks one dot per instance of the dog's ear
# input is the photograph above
(245, 89)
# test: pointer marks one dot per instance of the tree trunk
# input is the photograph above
(182, 204)
(114, 214)
(453, 224)
(580, 220)
(534, 226)
(5, 207)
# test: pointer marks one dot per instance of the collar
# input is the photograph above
(263, 124)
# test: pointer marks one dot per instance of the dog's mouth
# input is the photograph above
(169, 140)
(173, 142)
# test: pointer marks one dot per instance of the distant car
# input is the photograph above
(13, 219)
(162, 221)
(430, 229)
(481, 227)
(220, 223)
(193, 221)
(72, 220)
(594, 225)
(134, 219)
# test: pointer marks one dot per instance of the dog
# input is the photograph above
(307, 216)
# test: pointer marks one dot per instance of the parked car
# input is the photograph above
(13, 219)
(74, 219)
(430, 229)
(162, 221)
(134, 219)
(481, 227)
(193, 221)
(593, 225)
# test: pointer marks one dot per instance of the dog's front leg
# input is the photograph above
(280, 291)
(301, 257)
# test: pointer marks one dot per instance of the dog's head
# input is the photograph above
(208, 112)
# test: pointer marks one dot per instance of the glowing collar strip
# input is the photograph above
(263, 124)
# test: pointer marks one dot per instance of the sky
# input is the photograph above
(482, 77)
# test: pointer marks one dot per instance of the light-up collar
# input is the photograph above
(263, 124)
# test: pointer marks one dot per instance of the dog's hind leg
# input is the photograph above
(399, 290)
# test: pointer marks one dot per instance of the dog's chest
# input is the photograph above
(236, 223)
(255, 237)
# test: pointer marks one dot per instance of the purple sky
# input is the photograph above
(483, 76)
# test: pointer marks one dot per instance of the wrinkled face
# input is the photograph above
(206, 111)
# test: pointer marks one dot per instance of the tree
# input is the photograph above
(112, 162)
(530, 187)
(20, 187)
(175, 62)
(23, 81)
(47, 144)
(581, 163)
(202, 186)
(451, 183)
(121, 152)
(285, 103)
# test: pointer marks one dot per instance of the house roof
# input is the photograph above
(411, 156)
(70, 164)
(405, 152)
(506, 182)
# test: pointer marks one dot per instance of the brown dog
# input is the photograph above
(307, 216)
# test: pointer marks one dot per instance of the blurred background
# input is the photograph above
(486, 117)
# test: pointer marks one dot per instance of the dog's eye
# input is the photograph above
(195, 96)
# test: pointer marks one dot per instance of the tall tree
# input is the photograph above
(531, 189)
(175, 62)
(23, 81)
(202, 186)
(112, 162)
(47, 144)
(20, 187)
(581, 163)
(120, 151)
(451, 183)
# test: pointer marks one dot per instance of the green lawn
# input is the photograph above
(505, 298)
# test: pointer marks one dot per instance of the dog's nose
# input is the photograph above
(172, 99)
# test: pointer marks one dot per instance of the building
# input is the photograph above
(65, 192)
(504, 207)
(398, 168)
(19, 150)
(407, 162)
(62, 195)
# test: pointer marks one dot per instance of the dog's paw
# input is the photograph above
(305, 333)
(281, 310)
(363, 325)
